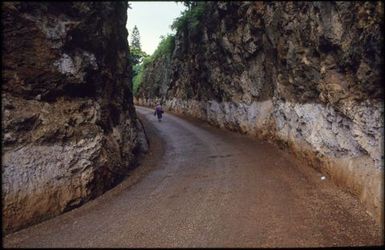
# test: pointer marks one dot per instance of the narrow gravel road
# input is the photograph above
(204, 187)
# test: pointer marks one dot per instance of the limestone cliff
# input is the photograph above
(70, 130)
(306, 75)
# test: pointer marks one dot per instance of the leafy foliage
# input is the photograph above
(190, 18)
(165, 48)
(136, 53)
(136, 57)
(137, 80)
(189, 4)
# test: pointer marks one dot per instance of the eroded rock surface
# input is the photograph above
(307, 75)
(70, 131)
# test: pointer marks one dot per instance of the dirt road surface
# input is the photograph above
(205, 187)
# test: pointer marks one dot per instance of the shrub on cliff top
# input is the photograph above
(190, 18)
(165, 47)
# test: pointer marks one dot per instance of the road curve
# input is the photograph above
(205, 187)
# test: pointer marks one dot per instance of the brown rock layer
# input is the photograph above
(70, 131)
(307, 75)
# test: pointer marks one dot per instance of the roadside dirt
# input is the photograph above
(204, 187)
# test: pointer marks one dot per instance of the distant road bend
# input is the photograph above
(205, 187)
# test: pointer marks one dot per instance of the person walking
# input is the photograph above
(159, 111)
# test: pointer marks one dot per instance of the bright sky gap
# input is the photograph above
(153, 20)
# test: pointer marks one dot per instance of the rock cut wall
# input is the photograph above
(306, 75)
(70, 130)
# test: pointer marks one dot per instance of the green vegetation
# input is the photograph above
(135, 40)
(137, 57)
(136, 53)
(165, 48)
(137, 79)
(190, 18)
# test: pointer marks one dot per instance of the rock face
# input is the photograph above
(70, 130)
(306, 75)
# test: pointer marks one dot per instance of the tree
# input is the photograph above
(135, 38)
(136, 53)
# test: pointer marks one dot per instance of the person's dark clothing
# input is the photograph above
(158, 112)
